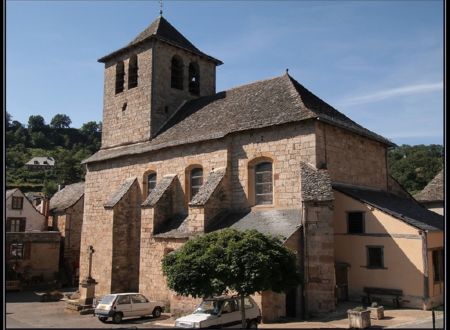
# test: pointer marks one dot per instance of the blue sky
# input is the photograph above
(378, 62)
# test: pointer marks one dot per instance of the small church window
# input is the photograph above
(194, 78)
(133, 72)
(263, 183)
(120, 77)
(151, 182)
(196, 180)
(177, 73)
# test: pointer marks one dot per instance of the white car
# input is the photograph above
(120, 305)
(221, 312)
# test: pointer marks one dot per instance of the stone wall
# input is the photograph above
(126, 228)
(69, 225)
(132, 124)
(351, 158)
(41, 254)
(166, 100)
(319, 275)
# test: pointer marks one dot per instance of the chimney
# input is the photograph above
(59, 187)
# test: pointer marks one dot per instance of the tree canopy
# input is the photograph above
(414, 166)
(229, 260)
(60, 121)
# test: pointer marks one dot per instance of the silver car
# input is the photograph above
(120, 305)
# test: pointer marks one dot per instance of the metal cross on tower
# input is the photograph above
(160, 7)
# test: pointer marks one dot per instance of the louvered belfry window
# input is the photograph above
(196, 180)
(120, 77)
(263, 183)
(194, 79)
(133, 72)
(177, 73)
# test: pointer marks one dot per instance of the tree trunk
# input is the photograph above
(243, 312)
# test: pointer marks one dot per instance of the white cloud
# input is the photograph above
(392, 93)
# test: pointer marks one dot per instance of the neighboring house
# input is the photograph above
(40, 163)
(66, 212)
(388, 241)
(30, 249)
(178, 160)
(432, 196)
(20, 213)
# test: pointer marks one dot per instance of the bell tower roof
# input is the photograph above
(162, 30)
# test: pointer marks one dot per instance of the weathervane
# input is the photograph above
(160, 7)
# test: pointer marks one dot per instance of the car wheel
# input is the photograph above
(102, 318)
(117, 318)
(157, 312)
(252, 325)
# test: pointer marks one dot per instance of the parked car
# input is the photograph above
(221, 312)
(120, 305)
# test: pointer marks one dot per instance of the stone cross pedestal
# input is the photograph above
(87, 290)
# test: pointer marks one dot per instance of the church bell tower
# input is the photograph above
(148, 81)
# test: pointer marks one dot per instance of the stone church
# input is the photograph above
(179, 159)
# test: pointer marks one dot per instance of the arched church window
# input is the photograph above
(133, 72)
(194, 78)
(151, 182)
(196, 180)
(177, 72)
(263, 183)
(120, 77)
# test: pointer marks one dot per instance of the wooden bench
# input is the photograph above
(395, 293)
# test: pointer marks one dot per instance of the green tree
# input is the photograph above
(229, 260)
(60, 121)
(36, 123)
(414, 166)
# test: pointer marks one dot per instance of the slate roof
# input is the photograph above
(316, 184)
(66, 197)
(41, 161)
(161, 29)
(159, 190)
(279, 222)
(208, 187)
(117, 196)
(260, 104)
(404, 209)
(433, 191)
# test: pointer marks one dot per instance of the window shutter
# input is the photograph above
(8, 224)
(27, 250)
(8, 251)
(22, 224)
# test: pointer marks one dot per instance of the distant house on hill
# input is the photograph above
(66, 216)
(432, 196)
(40, 163)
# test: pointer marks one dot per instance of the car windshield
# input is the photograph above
(108, 299)
(209, 307)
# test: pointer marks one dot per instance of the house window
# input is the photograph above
(375, 257)
(151, 182)
(177, 73)
(355, 222)
(15, 224)
(438, 265)
(133, 72)
(263, 183)
(17, 203)
(194, 79)
(120, 77)
(16, 251)
(196, 180)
